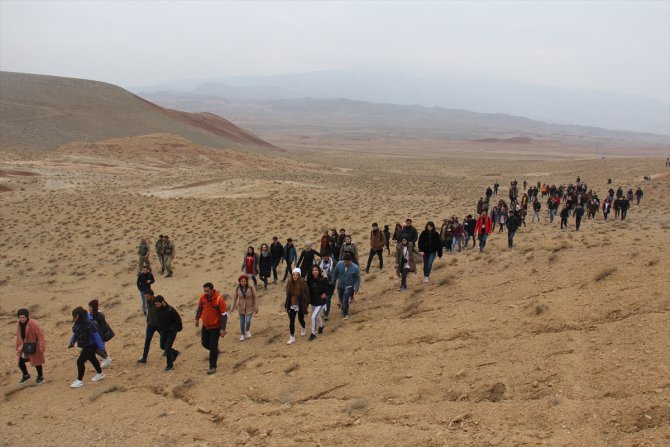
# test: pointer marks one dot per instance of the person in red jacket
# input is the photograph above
(213, 312)
(483, 229)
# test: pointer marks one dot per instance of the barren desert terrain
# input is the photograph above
(563, 341)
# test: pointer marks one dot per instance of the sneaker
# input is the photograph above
(247, 334)
(39, 380)
(106, 362)
(291, 340)
(303, 331)
(142, 360)
(77, 384)
(25, 378)
(321, 330)
(168, 368)
(346, 317)
(211, 371)
(312, 337)
(425, 280)
(241, 337)
(98, 377)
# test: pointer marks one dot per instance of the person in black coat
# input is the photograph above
(387, 235)
(306, 259)
(169, 323)
(430, 245)
(512, 225)
(265, 264)
(319, 289)
(144, 281)
(277, 253)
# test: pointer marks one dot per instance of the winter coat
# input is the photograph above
(410, 233)
(265, 265)
(169, 320)
(513, 223)
(277, 252)
(303, 300)
(86, 334)
(351, 248)
(246, 303)
(377, 240)
(318, 287)
(306, 260)
(399, 260)
(429, 242)
(209, 310)
(486, 223)
(290, 254)
(142, 279)
(34, 334)
(254, 267)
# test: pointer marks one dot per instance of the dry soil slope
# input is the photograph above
(38, 113)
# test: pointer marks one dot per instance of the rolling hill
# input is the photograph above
(38, 113)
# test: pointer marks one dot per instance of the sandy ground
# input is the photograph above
(563, 341)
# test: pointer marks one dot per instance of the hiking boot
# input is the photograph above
(98, 377)
(25, 378)
(142, 360)
(312, 337)
(321, 330)
(77, 384)
(291, 340)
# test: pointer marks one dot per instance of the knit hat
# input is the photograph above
(93, 304)
(297, 270)
(23, 312)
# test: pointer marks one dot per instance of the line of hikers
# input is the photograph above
(308, 282)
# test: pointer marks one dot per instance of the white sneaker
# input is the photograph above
(425, 280)
(247, 334)
(241, 337)
(77, 384)
(106, 362)
(98, 377)
(346, 317)
(303, 331)
(291, 340)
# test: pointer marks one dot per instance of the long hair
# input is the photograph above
(310, 276)
(81, 312)
(296, 287)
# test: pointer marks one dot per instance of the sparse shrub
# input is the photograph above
(604, 273)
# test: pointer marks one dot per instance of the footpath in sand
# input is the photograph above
(563, 341)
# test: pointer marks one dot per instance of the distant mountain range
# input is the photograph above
(548, 104)
(38, 113)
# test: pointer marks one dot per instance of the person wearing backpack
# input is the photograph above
(30, 345)
(169, 323)
(106, 332)
(86, 336)
(213, 313)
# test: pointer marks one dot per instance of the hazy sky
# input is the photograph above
(622, 46)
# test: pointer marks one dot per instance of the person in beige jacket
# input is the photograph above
(245, 299)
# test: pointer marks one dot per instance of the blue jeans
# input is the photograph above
(329, 299)
(147, 340)
(245, 323)
(143, 300)
(455, 242)
(482, 241)
(344, 295)
(428, 259)
(167, 340)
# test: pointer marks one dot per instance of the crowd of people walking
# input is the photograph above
(311, 278)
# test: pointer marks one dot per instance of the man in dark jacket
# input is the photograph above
(565, 213)
(277, 254)
(638, 194)
(290, 256)
(512, 226)
(169, 323)
(579, 213)
(623, 208)
(152, 324)
(144, 281)
(409, 232)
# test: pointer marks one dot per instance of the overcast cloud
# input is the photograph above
(623, 47)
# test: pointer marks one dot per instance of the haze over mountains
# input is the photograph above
(39, 113)
(483, 95)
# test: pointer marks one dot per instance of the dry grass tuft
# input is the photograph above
(604, 273)
(357, 404)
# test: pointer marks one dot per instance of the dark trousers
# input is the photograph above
(564, 222)
(275, 264)
(291, 317)
(288, 270)
(624, 211)
(24, 369)
(210, 340)
(578, 222)
(372, 254)
(167, 340)
(510, 238)
(87, 354)
(147, 340)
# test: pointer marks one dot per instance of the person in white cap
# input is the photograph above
(297, 299)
